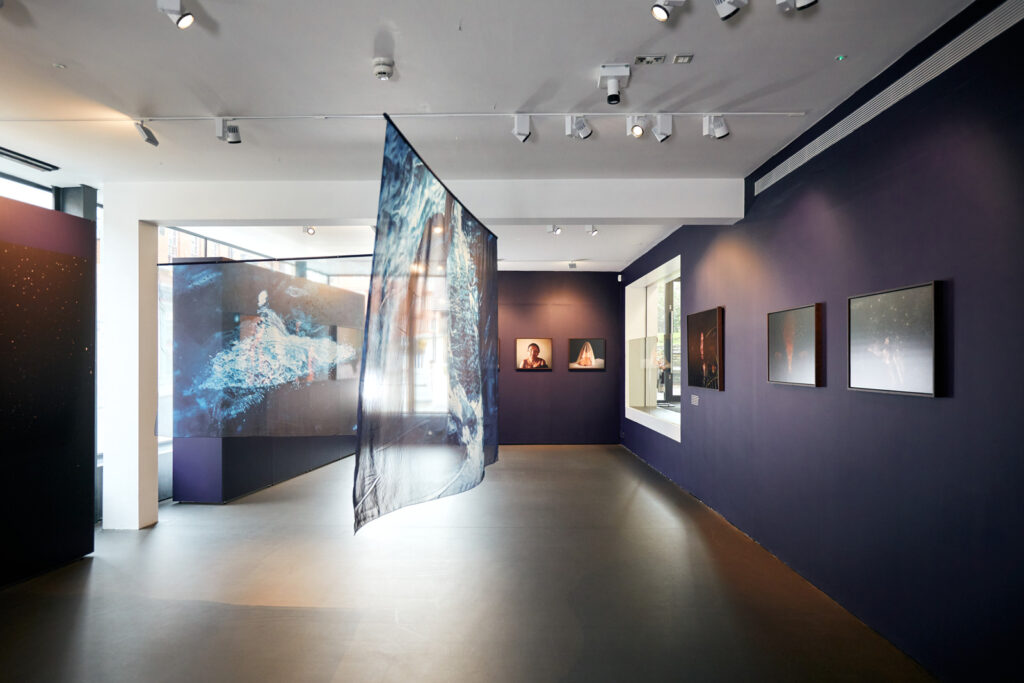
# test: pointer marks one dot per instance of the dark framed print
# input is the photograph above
(795, 347)
(705, 349)
(533, 353)
(892, 341)
(586, 353)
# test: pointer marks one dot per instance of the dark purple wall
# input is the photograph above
(47, 388)
(906, 510)
(559, 406)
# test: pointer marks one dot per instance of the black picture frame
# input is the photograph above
(577, 355)
(546, 353)
(796, 347)
(891, 341)
(705, 349)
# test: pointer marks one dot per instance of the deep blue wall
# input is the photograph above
(559, 407)
(906, 510)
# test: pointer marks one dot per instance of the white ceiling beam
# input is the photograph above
(495, 202)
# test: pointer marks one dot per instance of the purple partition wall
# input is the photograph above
(559, 406)
(906, 510)
(47, 403)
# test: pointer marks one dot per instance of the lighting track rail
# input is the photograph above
(418, 115)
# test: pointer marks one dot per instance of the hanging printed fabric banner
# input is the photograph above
(429, 390)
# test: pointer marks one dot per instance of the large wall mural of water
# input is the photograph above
(264, 352)
(428, 399)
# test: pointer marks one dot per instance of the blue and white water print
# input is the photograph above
(260, 349)
(428, 399)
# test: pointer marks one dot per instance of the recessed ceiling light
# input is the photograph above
(58, 65)
(309, 229)
(840, 58)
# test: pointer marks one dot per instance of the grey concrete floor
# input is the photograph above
(567, 563)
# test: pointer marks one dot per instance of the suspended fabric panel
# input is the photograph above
(429, 390)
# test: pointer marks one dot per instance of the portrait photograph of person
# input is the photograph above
(586, 354)
(533, 353)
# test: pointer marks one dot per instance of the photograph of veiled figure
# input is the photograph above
(586, 354)
(794, 346)
(892, 341)
(533, 353)
(704, 349)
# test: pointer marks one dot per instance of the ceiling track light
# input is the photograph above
(228, 132)
(613, 78)
(662, 129)
(727, 8)
(309, 230)
(714, 126)
(592, 231)
(661, 11)
(554, 229)
(176, 13)
(636, 125)
(146, 133)
(790, 5)
(577, 126)
(521, 127)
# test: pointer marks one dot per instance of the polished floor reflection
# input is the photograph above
(569, 563)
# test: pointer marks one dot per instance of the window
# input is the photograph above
(24, 191)
(654, 348)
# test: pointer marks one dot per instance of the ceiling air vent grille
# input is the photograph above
(994, 23)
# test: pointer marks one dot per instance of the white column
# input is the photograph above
(127, 364)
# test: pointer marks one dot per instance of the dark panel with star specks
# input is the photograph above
(47, 391)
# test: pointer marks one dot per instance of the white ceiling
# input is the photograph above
(124, 60)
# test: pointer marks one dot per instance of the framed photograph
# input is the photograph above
(533, 353)
(794, 346)
(586, 353)
(892, 341)
(705, 348)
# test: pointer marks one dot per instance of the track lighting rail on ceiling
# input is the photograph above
(417, 115)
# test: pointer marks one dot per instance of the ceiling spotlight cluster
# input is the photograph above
(726, 9)
(176, 13)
